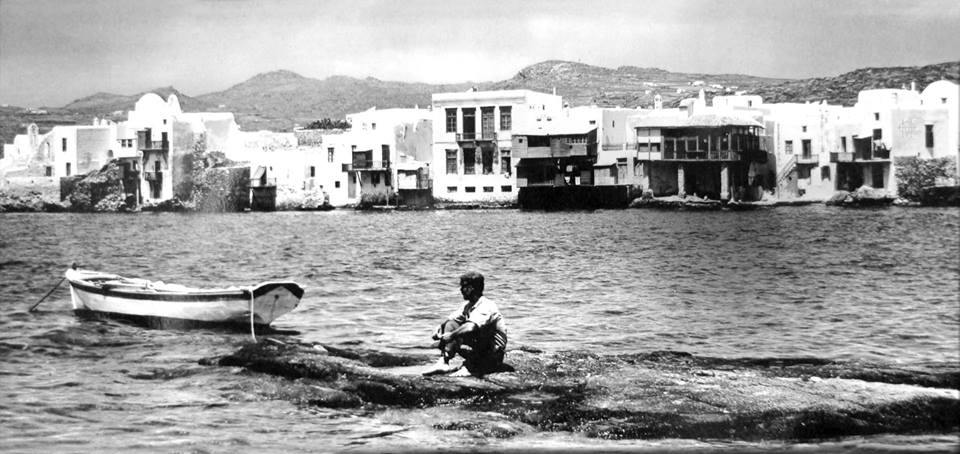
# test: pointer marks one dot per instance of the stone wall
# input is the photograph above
(222, 189)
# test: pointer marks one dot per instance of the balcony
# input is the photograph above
(471, 136)
(808, 158)
(156, 145)
(841, 157)
(153, 176)
(701, 155)
(367, 164)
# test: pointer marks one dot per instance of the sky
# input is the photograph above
(55, 51)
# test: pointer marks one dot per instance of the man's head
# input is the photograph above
(471, 285)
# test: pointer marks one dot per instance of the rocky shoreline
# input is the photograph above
(637, 396)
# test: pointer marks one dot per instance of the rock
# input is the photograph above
(863, 196)
(651, 395)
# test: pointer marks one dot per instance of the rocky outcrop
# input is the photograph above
(650, 395)
(99, 191)
(30, 201)
(676, 202)
(862, 197)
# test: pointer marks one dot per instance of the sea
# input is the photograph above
(878, 285)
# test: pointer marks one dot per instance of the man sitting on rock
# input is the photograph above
(476, 331)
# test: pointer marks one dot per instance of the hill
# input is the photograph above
(279, 99)
(843, 89)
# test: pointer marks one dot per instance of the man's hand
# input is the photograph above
(437, 333)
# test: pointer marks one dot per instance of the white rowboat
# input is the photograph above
(157, 303)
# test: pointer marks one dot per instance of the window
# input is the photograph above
(505, 162)
(843, 144)
(825, 173)
(928, 129)
(373, 126)
(877, 134)
(788, 147)
(313, 171)
(336, 184)
(329, 154)
(49, 171)
(803, 172)
(451, 120)
(63, 142)
(385, 154)
(469, 161)
(506, 188)
(943, 100)
(486, 158)
(451, 189)
(506, 120)
(469, 189)
(469, 123)
(806, 149)
(488, 189)
(803, 128)
(68, 168)
(451, 162)
(593, 122)
(374, 178)
(749, 103)
(876, 116)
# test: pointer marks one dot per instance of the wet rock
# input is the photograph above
(863, 196)
(649, 395)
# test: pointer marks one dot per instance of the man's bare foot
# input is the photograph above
(440, 367)
(461, 372)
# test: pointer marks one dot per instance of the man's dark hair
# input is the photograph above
(475, 280)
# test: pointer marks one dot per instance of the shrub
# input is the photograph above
(913, 174)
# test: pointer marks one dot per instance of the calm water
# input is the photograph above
(878, 285)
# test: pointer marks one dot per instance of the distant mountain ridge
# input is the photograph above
(279, 100)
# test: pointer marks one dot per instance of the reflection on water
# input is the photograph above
(878, 285)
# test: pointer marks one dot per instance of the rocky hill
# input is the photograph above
(843, 89)
(279, 100)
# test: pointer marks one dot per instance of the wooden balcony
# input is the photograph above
(808, 159)
(367, 165)
(841, 157)
(476, 136)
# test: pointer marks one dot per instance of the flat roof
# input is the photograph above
(695, 121)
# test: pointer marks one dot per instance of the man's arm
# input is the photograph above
(464, 329)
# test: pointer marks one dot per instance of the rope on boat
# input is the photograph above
(252, 333)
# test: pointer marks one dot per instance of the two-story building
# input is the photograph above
(472, 140)
(693, 150)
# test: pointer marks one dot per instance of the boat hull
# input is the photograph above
(137, 301)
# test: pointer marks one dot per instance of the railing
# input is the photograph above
(366, 164)
(153, 176)
(807, 158)
(841, 157)
(161, 145)
(262, 182)
(715, 155)
(485, 135)
(784, 172)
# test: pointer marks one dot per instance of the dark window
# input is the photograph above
(803, 172)
(68, 168)
(876, 115)
(469, 123)
(788, 147)
(487, 160)
(803, 128)
(385, 152)
(877, 134)
(505, 162)
(825, 173)
(805, 144)
(843, 144)
(877, 171)
(336, 184)
(469, 189)
(929, 135)
(469, 161)
(507, 188)
(375, 178)
(63, 142)
(506, 120)
(313, 171)
(451, 120)
(451, 162)
(49, 172)
(329, 154)
(488, 189)
(451, 189)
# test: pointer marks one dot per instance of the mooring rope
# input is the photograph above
(252, 333)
